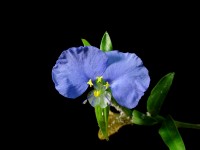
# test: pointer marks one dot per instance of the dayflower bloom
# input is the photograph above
(80, 67)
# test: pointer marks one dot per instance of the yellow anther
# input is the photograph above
(99, 79)
(107, 85)
(97, 93)
(90, 83)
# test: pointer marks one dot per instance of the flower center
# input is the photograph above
(99, 96)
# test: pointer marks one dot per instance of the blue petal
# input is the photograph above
(75, 67)
(127, 76)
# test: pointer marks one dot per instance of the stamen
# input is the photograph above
(107, 85)
(97, 93)
(85, 101)
(90, 83)
(99, 79)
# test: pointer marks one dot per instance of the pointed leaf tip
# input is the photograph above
(106, 44)
(85, 42)
(158, 94)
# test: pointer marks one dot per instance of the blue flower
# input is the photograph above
(123, 73)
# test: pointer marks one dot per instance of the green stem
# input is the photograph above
(127, 112)
(123, 111)
(187, 125)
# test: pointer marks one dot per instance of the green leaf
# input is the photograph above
(142, 119)
(170, 135)
(102, 119)
(159, 93)
(106, 44)
(85, 42)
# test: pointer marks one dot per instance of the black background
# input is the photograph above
(166, 41)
